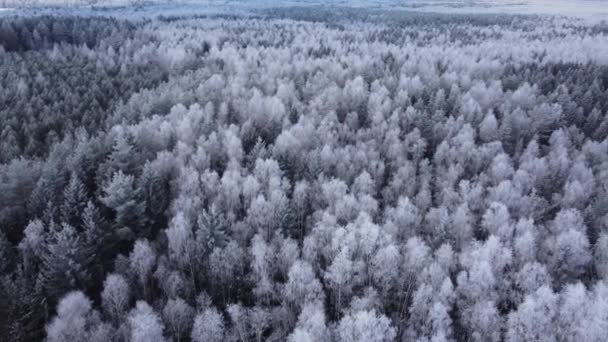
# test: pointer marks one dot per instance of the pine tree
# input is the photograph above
(121, 195)
(65, 262)
(6, 254)
(211, 232)
(74, 202)
(155, 188)
(24, 307)
(98, 243)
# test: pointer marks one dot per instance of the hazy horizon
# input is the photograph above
(587, 8)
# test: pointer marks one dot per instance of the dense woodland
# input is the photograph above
(303, 175)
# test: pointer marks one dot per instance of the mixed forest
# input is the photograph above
(303, 174)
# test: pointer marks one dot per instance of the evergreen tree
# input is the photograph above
(65, 262)
(74, 202)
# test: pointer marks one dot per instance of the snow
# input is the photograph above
(575, 8)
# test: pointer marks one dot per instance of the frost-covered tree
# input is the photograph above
(115, 296)
(311, 174)
(145, 324)
(75, 319)
(302, 286)
(178, 316)
(65, 263)
(365, 326)
(141, 261)
(121, 196)
(535, 317)
(208, 326)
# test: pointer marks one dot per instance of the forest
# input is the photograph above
(303, 174)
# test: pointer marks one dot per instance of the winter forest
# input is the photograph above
(303, 174)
